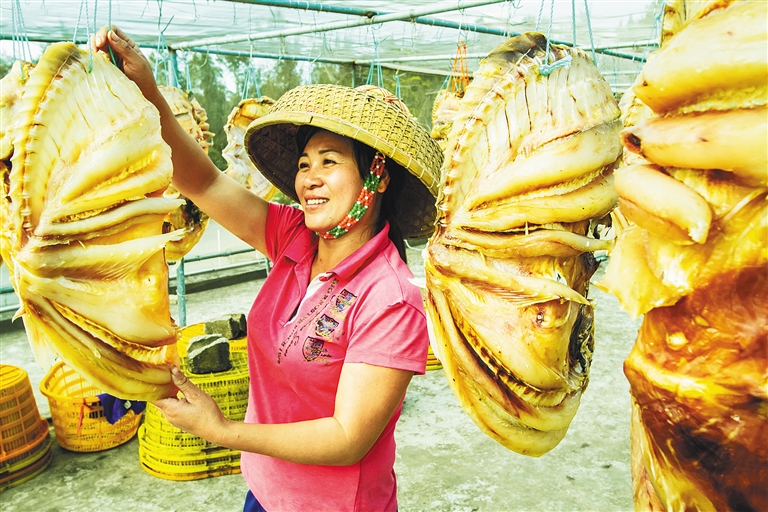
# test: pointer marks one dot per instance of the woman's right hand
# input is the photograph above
(194, 174)
(128, 57)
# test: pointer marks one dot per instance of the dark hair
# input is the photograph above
(363, 157)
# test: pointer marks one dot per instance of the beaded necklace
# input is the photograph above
(363, 201)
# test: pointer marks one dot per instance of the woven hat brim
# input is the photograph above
(271, 144)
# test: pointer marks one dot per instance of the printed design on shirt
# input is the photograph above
(312, 349)
(325, 326)
(316, 348)
(343, 300)
(293, 337)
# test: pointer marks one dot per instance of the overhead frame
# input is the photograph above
(412, 16)
(369, 17)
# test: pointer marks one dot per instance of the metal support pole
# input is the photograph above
(174, 80)
(181, 294)
(218, 51)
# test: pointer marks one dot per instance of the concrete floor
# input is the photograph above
(444, 462)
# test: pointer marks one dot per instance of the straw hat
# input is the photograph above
(368, 114)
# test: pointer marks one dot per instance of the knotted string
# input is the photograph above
(546, 69)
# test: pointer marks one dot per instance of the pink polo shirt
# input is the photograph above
(365, 311)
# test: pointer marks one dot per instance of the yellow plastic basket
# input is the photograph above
(26, 443)
(78, 415)
(27, 462)
(170, 453)
(183, 466)
(433, 363)
(20, 421)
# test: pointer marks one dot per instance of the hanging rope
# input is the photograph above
(163, 54)
(109, 24)
(162, 47)
(512, 6)
(250, 75)
(375, 66)
(323, 48)
(162, 51)
(654, 35)
(538, 18)
(322, 43)
(591, 39)
(460, 70)
(96, 27)
(546, 69)
(446, 82)
(77, 25)
(398, 91)
(20, 41)
(87, 32)
(459, 78)
(187, 75)
(573, 20)
(283, 50)
(84, 5)
(95, 16)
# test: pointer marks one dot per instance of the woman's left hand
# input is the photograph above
(195, 412)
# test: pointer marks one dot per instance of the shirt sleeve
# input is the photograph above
(395, 337)
(284, 223)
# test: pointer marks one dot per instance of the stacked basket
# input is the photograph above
(78, 415)
(433, 363)
(170, 453)
(26, 444)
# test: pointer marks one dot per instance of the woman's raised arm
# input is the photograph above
(230, 204)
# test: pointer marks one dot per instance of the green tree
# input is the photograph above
(5, 66)
(242, 70)
(281, 78)
(329, 73)
(208, 87)
(418, 91)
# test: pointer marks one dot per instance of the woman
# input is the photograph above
(337, 331)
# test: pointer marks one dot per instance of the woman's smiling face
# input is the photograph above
(328, 181)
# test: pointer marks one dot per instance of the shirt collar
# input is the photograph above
(351, 264)
(357, 259)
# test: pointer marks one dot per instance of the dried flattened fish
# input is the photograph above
(444, 111)
(693, 259)
(527, 176)
(240, 166)
(188, 217)
(84, 210)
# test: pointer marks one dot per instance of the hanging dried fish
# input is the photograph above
(444, 111)
(527, 176)
(693, 258)
(188, 217)
(11, 88)
(190, 115)
(241, 167)
(82, 222)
